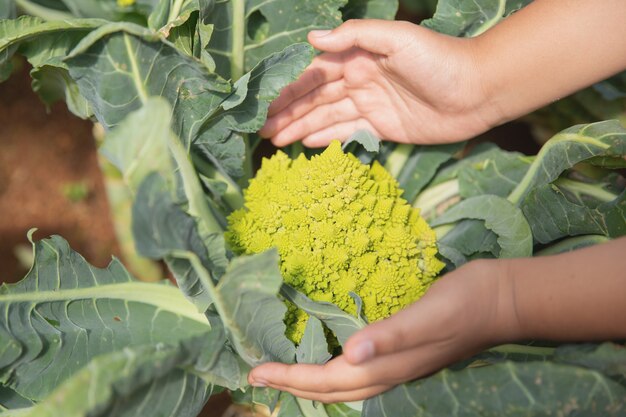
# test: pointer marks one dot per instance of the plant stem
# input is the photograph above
(233, 195)
(175, 10)
(237, 63)
(397, 158)
(42, 12)
(523, 349)
(198, 206)
(238, 39)
(591, 190)
(429, 199)
(571, 244)
(309, 410)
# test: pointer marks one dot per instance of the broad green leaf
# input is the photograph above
(11, 400)
(470, 237)
(52, 83)
(251, 310)
(370, 9)
(27, 28)
(65, 312)
(341, 410)
(568, 148)
(608, 358)
(255, 396)
(119, 66)
(500, 216)
(138, 146)
(342, 324)
(421, 165)
(7, 9)
(144, 380)
(572, 243)
(247, 303)
(498, 174)
(468, 18)
(313, 347)
(30, 29)
(169, 14)
(506, 389)
(553, 215)
(450, 171)
(108, 9)
(161, 227)
(245, 32)
(117, 70)
(291, 406)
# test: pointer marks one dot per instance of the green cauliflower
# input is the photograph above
(339, 226)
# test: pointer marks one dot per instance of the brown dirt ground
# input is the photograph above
(41, 152)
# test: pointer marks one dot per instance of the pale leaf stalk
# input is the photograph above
(237, 70)
(209, 286)
(397, 158)
(45, 13)
(175, 10)
(198, 206)
(308, 408)
(572, 243)
(524, 350)
(591, 190)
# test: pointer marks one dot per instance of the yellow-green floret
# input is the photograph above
(339, 226)
(125, 3)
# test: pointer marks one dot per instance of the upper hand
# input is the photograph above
(401, 81)
(461, 314)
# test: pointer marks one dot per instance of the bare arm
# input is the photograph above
(550, 49)
(569, 297)
(577, 296)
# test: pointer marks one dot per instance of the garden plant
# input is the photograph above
(284, 260)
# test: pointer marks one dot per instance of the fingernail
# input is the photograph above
(362, 352)
(259, 383)
(319, 33)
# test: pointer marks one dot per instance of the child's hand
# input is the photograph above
(403, 82)
(459, 316)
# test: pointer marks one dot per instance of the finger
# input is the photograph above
(324, 69)
(336, 397)
(319, 118)
(381, 37)
(326, 93)
(339, 375)
(406, 329)
(339, 131)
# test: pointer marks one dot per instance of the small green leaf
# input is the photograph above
(342, 324)
(313, 347)
(500, 216)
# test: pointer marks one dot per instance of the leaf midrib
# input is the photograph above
(165, 298)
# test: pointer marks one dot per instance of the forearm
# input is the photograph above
(549, 50)
(574, 296)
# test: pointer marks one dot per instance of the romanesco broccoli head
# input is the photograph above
(339, 226)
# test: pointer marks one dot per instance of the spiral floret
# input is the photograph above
(339, 226)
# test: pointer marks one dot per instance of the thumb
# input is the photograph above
(382, 37)
(394, 334)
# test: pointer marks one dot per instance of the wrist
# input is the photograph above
(506, 324)
(492, 108)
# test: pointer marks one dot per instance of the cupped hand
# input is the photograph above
(403, 82)
(461, 314)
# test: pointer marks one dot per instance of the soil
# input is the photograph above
(43, 152)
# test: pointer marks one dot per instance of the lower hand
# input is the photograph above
(461, 314)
